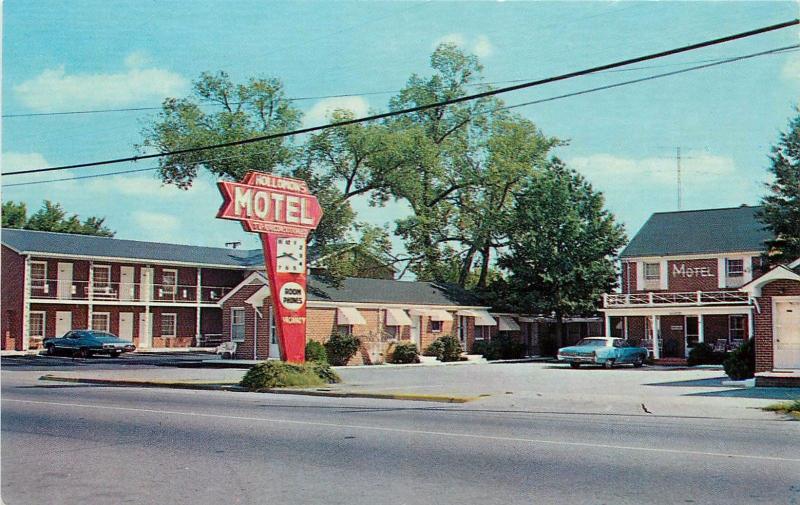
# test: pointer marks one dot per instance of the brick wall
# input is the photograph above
(13, 280)
(763, 320)
(692, 275)
(244, 350)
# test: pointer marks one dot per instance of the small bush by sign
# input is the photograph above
(405, 352)
(276, 374)
(741, 362)
(315, 351)
(340, 348)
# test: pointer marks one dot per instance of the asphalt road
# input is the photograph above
(64, 444)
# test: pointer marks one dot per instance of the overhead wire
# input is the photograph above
(492, 92)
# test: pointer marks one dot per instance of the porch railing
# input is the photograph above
(657, 299)
(54, 289)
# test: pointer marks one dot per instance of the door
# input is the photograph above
(63, 322)
(691, 332)
(274, 346)
(787, 334)
(145, 330)
(146, 286)
(64, 280)
(126, 325)
(126, 283)
(415, 330)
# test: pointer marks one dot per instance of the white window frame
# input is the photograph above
(107, 315)
(174, 330)
(41, 313)
(169, 289)
(101, 284)
(392, 332)
(483, 332)
(42, 283)
(440, 324)
(731, 329)
(344, 329)
(243, 312)
(648, 277)
(734, 273)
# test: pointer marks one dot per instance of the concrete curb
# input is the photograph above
(233, 386)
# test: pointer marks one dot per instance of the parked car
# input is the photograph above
(84, 343)
(604, 351)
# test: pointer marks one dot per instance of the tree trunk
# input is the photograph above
(466, 267)
(485, 253)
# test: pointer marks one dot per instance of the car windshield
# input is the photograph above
(592, 342)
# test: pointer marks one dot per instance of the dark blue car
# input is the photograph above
(84, 343)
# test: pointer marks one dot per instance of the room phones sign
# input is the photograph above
(282, 211)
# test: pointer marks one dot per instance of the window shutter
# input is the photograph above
(721, 272)
(664, 279)
(639, 276)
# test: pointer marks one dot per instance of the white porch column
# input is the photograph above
(625, 327)
(701, 334)
(750, 324)
(608, 325)
(656, 351)
(90, 290)
(26, 306)
(197, 294)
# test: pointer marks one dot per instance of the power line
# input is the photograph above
(543, 100)
(444, 103)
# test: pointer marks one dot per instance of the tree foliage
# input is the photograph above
(781, 206)
(561, 244)
(52, 217)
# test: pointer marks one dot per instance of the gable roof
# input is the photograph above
(734, 229)
(45, 242)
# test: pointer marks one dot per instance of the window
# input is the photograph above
(237, 324)
(169, 281)
(483, 332)
(652, 271)
(736, 325)
(169, 325)
(436, 326)
(101, 275)
(345, 329)
(100, 321)
(735, 268)
(36, 324)
(391, 332)
(273, 332)
(38, 274)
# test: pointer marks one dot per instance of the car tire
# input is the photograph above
(575, 365)
(84, 353)
(609, 364)
(638, 362)
(50, 350)
(114, 354)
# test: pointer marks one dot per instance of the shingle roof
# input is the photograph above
(357, 289)
(699, 232)
(28, 241)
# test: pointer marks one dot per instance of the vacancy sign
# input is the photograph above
(283, 212)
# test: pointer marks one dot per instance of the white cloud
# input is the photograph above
(13, 161)
(791, 69)
(152, 221)
(321, 111)
(481, 46)
(55, 89)
(653, 170)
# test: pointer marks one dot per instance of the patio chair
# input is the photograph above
(226, 349)
(721, 345)
(736, 343)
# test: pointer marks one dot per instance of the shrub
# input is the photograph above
(701, 354)
(451, 348)
(485, 349)
(275, 374)
(436, 348)
(501, 347)
(315, 351)
(548, 345)
(341, 347)
(405, 352)
(741, 362)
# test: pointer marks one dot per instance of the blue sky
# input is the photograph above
(84, 55)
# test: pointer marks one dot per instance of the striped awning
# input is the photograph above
(507, 323)
(482, 317)
(348, 316)
(397, 317)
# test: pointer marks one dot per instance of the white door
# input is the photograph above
(126, 283)
(146, 286)
(415, 330)
(64, 281)
(63, 322)
(145, 330)
(274, 346)
(787, 334)
(126, 325)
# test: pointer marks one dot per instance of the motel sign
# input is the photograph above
(282, 211)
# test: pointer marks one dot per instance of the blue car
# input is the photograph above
(84, 343)
(603, 351)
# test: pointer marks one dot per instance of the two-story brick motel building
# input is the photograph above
(696, 276)
(167, 295)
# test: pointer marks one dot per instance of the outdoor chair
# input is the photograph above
(226, 349)
(736, 343)
(721, 345)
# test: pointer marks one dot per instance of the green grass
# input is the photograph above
(277, 374)
(790, 407)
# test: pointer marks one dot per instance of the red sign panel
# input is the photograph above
(283, 212)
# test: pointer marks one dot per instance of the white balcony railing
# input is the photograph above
(122, 292)
(654, 299)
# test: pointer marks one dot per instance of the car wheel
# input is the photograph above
(638, 362)
(575, 365)
(115, 355)
(84, 353)
(609, 364)
(50, 350)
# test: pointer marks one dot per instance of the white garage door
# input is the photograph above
(787, 334)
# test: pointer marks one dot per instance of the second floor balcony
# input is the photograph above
(124, 292)
(660, 299)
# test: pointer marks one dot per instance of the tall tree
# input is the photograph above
(52, 217)
(561, 245)
(781, 206)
